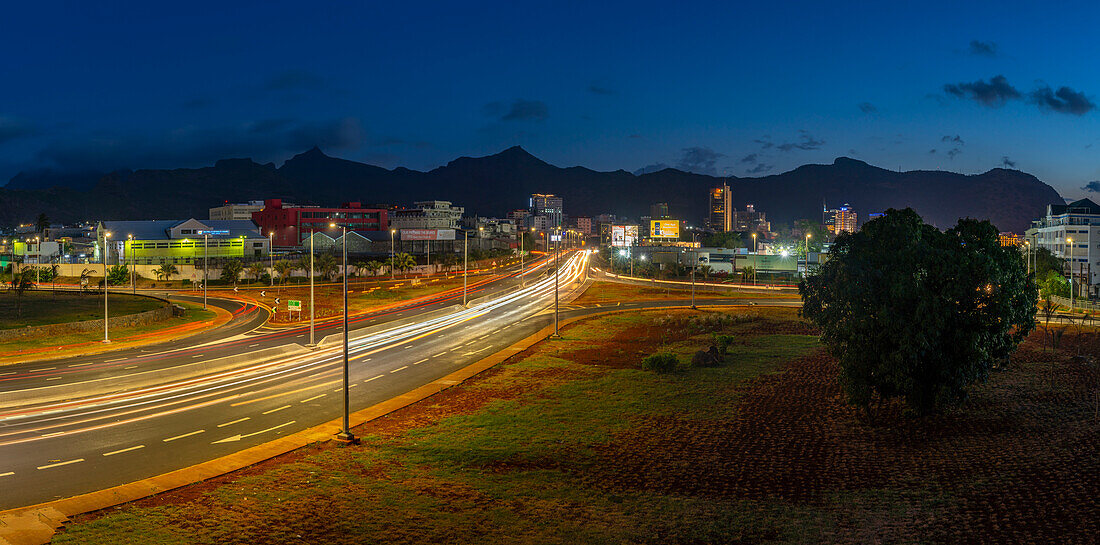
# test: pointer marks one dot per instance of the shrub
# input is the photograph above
(723, 342)
(661, 362)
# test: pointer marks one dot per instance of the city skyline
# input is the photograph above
(963, 90)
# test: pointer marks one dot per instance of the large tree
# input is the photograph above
(919, 314)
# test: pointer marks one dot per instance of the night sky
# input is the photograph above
(720, 87)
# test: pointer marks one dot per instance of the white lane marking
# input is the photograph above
(81, 364)
(439, 354)
(408, 347)
(374, 378)
(235, 421)
(254, 345)
(302, 335)
(53, 378)
(112, 453)
(307, 400)
(13, 372)
(43, 369)
(366, 359)
(238, 437)
(114, 360)
(197, 356)
(6, 474)
(130, 367)
(182, 436)
(47, 466)
(400, 368)
(421, 361)
(469, 343)
(476, 351)
(483, 337)
(276, 410)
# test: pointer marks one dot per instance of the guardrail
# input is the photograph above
(1083, 304)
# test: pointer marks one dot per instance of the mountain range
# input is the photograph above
(495, 184)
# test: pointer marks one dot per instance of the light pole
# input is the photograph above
(694, 262)
(1069, 241)
(205, 265)
(312, 232)
(345, 434)
(106, 235)
(271, 257)
(807, 270)
(12, 260)
(754, 259)
(38, 262)
(392, 232)
(133, 285)
(557, 271)
(465, 262)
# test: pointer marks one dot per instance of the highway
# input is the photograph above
(60, 448)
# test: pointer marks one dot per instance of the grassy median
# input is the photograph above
(43, 307)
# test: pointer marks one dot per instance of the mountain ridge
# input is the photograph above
(494, 184)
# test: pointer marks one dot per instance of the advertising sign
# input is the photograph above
(427, 234)
(664, 228)
(624, 235)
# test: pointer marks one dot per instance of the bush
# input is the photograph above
(723, 342)
(661, 362)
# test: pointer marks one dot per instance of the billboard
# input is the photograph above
(664, 228)
(427, 234)
(624, 235)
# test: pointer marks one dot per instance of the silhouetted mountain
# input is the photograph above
(47, 178)
(493, 185)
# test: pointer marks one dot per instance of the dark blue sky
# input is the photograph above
(716, 87)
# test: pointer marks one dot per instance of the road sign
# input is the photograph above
(293, 305)
(276, 301)
(264, 294)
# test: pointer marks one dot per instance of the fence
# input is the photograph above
(1077, 303)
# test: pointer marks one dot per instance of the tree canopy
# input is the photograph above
(919, 314)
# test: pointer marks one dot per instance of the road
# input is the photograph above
(56, 449)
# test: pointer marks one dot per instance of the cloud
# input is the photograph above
(264, 140)
(598, 90)
(1064, 101)
(13, 129)
(867, 108)
(953, 140)
(765, 142)
(932, 151)
(750, 158)
(699, 160)
(294, 80)
(1092, 187)
(805, 142)
(760, 169)
(518, 110)
(951, 153)
(993, 94)
(983, 49)
(1007, 163)
(655, 167)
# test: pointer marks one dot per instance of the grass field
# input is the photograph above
(613, 292)
(570, 442)
(41, 307)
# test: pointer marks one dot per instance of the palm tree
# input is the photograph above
(326, 265)
(23, 281)
(256, 269)
(403, 262)
(705, 269)
(284, 269)
(231, 271)
(85, 278)
(165, 271)
(42, 223)
(301, 264)
(375, 266)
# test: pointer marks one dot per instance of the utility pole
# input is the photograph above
(312, 341)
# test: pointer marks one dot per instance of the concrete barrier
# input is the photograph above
(145, 379)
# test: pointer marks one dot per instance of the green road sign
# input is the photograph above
(294, 305)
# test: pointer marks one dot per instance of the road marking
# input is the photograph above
(254, 345)
(10, 373)
(476, 351)
(439, 354)
(273, 396)
(44, 369)
(374, 378)
(47, 466)
(366, 359)
(486, 336)
(114, 360)
(130, 367)
(182, 436)
(238, 437)
(319, 396)
(408, 347)
(53, 378)
(402, 368)
(235, 422)
(276, 410)
(421, 361)
(6, 474)
(302, 335)
(469, 343)
(197, 356)
(112, 453)
(81, 364)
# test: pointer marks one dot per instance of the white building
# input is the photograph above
(427, 215)
(237, 211)
(1079, 221)
(548, 206)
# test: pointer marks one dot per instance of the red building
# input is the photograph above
(292, 224)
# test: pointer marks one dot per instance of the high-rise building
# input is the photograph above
(427, 215)
(720, 208)
(839, 220)
(750, 219)
(658, 211)
(549, 206)
(1078, 221)
(290, 225)
(236, 211)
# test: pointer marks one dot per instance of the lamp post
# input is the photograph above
(12, 260)
(694, 263)
(345, 434)
(312, 232)
(392, 232)
(1069, 241)
(557, 271)
(38, 261)
(1027, 256)
(205, 265)
(754, 259)
(465, 262)
(271, 257)
(807, 269)
(133, 285)
(106, 235)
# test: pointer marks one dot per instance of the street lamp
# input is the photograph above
(557, 271)
(38, 261)
(754, 259)
(271, 256)
(106, 235)
(694, 262)
(1069, 241)
(345, 434)
(205, 265)
(312, 232)
(133, 286)
(392, 232)
(807, 269)
(12, 260)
